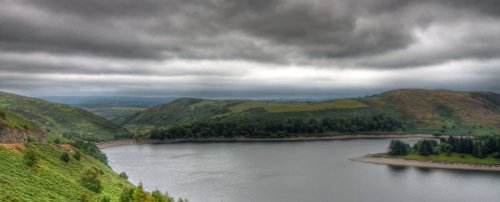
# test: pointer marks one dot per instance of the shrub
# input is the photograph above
(123, 175)
(31, 139)
(64, 157)
(57, 141)
(90, 180)
(77, 155)
(105, 199)
(84, 197)
(496, 155)
(30, 158)
(126, 195)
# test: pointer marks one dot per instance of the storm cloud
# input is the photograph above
(247, 48)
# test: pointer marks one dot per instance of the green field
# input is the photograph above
(52, 179)
(302, 107)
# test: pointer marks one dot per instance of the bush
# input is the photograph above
(77, 155)
(105, 199)
(90, 180)
(65, 157)
(30, 158)
(123, 175)
(496, 155)
(126, 195)
(31, 139)
(84, 197)
(57, 141)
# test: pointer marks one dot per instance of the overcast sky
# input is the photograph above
(247, 48)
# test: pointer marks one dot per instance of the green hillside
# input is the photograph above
(189, 110)
(52, 179)
(61, 119)
(426, 111)
(10, 120)
(14, 128)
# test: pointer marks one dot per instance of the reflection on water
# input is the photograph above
(397, 169)
(293, 171)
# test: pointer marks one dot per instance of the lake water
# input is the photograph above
(293, 171)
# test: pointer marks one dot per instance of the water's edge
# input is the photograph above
(113, 143)
(427, 164)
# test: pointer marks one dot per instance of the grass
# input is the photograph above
(301, 107)
(60, 119)
(15, 121)
(445, 158)
(52, 179)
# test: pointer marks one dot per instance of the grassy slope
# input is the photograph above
(429, 111)
(10, 120)
(60, 118)
(441, 110)
(187, 110)
(52, 179)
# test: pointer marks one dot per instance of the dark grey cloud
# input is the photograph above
(204, 46)
(231, 29)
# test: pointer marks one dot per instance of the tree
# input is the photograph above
(123, 175)
(90, 180)
(64, 157)
(398, 147)
(140, 195)
(477, 150)
(159, 197)
(126, 195)
(425, 147)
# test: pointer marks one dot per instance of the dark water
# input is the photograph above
(293, 171)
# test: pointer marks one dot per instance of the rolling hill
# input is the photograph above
(426, 111)
(113, 108)
(61, 119)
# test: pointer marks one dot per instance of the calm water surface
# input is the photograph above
(292, 171)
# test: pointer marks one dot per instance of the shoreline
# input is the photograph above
(113, 143)
(427, 164)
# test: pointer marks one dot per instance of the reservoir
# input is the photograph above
(292, 171)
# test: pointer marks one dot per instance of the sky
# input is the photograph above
(247, 48)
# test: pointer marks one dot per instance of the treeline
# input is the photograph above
(277, 128)
(478, 147)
